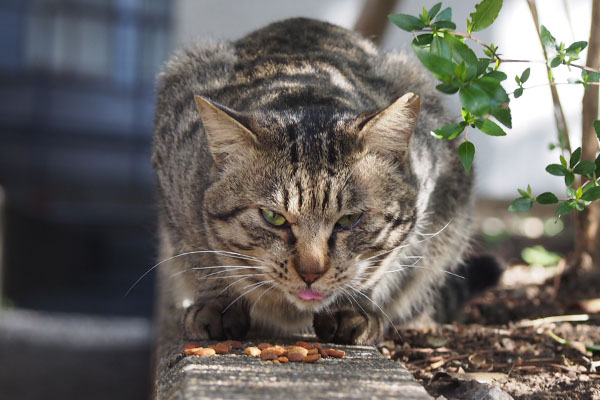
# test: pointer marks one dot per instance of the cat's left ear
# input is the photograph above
(388, 132)
(227, 136)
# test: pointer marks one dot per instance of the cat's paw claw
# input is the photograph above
(348, 327)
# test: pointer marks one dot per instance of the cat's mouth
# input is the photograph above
(310, 295)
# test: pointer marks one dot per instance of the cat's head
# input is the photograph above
(318, 197)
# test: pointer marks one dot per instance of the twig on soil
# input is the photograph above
(575, 345)
(550, 320)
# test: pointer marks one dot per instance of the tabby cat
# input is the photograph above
(300, 186)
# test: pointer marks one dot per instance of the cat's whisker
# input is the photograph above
(376, 305)
(398, 265)
(429, 268)
(231, 254)
(405, 245)
(243, 277)
(253, 287)
(259, 297)
(228, 268)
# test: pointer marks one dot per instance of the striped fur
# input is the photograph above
(303, 118)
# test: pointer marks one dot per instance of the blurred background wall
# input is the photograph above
(77, 77)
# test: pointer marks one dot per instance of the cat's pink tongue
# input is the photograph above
(309, 295)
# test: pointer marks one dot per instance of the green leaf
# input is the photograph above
(485, 14)
(406, 22)
(523, 193)
(575, 157)
(597, 128)
(518, 92)
(575, 48)
(460, 51)
(434, 10)
(547, 198)
(489, 127)
(591, 76)
(498, 75)
(441, 68)
(592, 194)
(598, 166)
(483, 96)
(565, 208)
(521, 204)
(445, 15)
(563, 161)
(494, 89)
(482, 65)
(503, 116)
(586, 168)
(424, 39)
(555, 62)
(461, 71)
(547, 39)
(569, 178)
(448, 88)
(449, 131)
(571, 193)
(443, 25)
(475, 99)
(556, 170)
(440, 47)
(466, 153)
(538, 255)
(525, 75)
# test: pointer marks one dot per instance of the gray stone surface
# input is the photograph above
(362, 374)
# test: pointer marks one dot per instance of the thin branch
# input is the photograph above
(510, 60)
(559, 114)
(557, 84)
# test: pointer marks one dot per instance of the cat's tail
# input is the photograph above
(480, 273)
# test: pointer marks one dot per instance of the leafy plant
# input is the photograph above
(486, 104)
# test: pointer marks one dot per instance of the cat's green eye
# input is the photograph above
(272, 217)
(348, 221)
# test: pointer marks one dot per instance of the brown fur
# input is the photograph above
(308, 120)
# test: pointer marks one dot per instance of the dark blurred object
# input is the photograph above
(372, 22)
(54, 356)
(76, 112)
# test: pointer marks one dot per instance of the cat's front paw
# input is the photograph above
(209, 321)
(348, 327)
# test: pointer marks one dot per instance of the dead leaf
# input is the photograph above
(476, 360)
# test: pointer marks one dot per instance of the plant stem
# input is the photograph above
(556, 84)
(587, 223)
(559, 114)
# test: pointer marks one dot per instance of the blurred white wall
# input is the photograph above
(503, 163)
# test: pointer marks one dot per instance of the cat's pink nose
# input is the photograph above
(309, 277)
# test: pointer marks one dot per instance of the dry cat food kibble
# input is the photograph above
(252, 351)
(301, 352)
(200, 351)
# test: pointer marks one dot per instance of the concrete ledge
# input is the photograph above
(362, 374)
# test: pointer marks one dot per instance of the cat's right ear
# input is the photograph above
(388, 132)
(227, 136)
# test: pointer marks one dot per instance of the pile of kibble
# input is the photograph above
(301, 352)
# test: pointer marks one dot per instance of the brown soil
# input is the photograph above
(494, 343)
